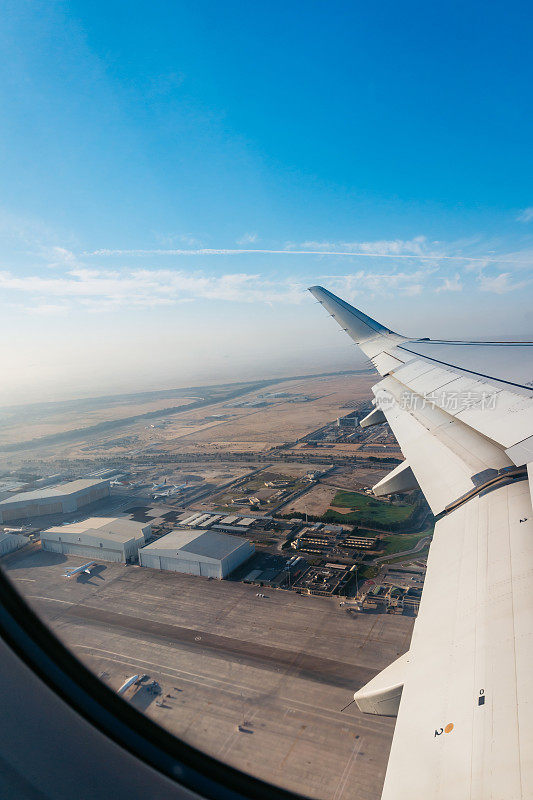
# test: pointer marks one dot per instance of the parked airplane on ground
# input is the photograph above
(129, 682)
(462, 413)
(84, 568)
(168, 491)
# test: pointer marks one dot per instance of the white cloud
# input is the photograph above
(81, 282)
(59, 257)
(412, 290)
(451, 284)
(47, 309)
(393, 247)
(105, 289)
(500, 284)
(385, 284)
(526, 215)
(247, 238)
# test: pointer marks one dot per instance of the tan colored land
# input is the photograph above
(342, 510)
(199, 474)
(246, 429)
(223, 446)
(355, 477)
(69, 420)
(386, 452)
(257, 483)
(285, 421)
(315, 502)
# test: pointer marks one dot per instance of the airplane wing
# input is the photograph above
(462, 413)
(77, 570)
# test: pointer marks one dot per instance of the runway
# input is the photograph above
(297, 663)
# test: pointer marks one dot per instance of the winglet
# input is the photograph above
(355, 323)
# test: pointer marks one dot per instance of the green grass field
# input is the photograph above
(366, 509)
(397, 543)
(399, 558)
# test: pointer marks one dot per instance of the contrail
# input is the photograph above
(223, 252)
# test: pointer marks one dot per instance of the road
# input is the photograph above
(416, 549)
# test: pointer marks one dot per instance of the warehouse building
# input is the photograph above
(197, 552)
(102, 538)
(10, 486)
(64, 498)
(190, 520)
(9, 542)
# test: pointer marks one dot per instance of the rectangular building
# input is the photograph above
(9, 542)
(197, 552)
(98, 538)
(190, 520)
(65, 498)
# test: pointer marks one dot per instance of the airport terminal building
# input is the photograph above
(197, 552)
(64, 498)
(98, 538)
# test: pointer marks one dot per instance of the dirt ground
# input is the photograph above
(316, 501)
(67, 420)
(198, 474)
(246, 429)
(356, 477)
(285, 420)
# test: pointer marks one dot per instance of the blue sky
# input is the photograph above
(383, 150)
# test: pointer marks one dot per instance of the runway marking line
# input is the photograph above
(373, 725)
(51, 599)
(293, 745)
(347, 769)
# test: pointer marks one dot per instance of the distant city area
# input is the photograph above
(156, 516)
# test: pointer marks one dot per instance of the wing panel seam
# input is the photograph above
(463, 369)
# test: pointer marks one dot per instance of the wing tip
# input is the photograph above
(319, 292)
(366, 324)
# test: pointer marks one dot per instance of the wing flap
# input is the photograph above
(385, 362)
(423, 450)
(430, 380)
(444, 453)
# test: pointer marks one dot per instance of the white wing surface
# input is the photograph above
(462, 413)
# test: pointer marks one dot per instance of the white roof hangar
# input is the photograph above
(64, 498)
(10, 542)
(197, 552)
(104, 538)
